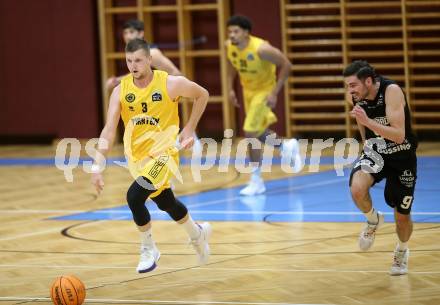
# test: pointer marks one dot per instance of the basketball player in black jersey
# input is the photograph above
(383, 118)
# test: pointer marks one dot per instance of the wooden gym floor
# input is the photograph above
(297, 244)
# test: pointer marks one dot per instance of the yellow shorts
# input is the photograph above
(159, 170)
(258, 115)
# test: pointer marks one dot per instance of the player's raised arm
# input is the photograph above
(161, 62)
(395, 112)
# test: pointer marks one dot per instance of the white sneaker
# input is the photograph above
(201, 244)
(254, 187)
(400, 263)
(366, 238)
(290, 150)
(148, 260)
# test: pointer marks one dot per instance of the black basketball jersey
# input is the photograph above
(376, 111)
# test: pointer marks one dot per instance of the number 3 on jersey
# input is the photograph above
(144, 107)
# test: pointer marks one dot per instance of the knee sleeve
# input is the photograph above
(136, 197)
(168, 203)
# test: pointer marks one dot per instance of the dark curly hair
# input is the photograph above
(361, 68)
(240, 21)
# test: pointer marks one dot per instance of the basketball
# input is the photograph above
(67, 290)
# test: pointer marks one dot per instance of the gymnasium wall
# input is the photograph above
(49, 73)
(49, 67)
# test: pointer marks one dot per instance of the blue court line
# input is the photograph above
(183, 161)
(323, 160)
(320, 197)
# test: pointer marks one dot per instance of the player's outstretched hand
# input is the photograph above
(98, 182)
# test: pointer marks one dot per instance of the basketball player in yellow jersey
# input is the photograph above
(256, 61)
(133, 29)
(145, 100)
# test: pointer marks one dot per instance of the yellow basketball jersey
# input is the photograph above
(150, 117)
(255, 73)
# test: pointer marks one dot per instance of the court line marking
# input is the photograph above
(301, 213)
(212, 202)
(124, 212)
(206, 203)
(210, 269)
(30, 234)
(299, 187)
(270, 192)
(23, 211)
(117, 301)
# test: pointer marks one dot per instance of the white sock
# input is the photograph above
(147, 238)
(402, 246)
(372, 216)
(191, 228)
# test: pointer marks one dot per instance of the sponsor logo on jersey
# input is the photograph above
(380, 100)
(394, 148)
(158, 166)
(147, 120)
(382, 120)
(407, 178)
(250, 57)
(130, 97)
(156, 96)
(131, 108)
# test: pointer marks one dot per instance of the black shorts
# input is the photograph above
(400, 175)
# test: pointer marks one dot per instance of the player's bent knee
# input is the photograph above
(168, 203)
(136, 196)
(132, 196)
(358, 190)
(137, 193)
(178, 211)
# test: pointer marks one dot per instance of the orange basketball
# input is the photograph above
(67, 290)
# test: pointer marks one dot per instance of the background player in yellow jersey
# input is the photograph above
(256, 61)
(133, 29)
(145, 100)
